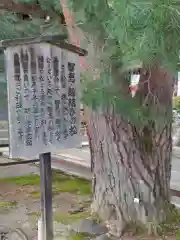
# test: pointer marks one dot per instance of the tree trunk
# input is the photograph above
(132, 165)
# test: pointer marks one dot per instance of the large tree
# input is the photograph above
(130, 137)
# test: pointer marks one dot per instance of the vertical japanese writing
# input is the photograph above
(43, 103)
(34, 97)
(42, 98)
(57, 101)
(28, 127)
(56, 75)
(65, 113)
(24, 61)
(63, 75)
(72, 99)
(27, 110)
(58, 120)
(18, 97)
(50, 100)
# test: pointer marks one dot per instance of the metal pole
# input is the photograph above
(46, 196)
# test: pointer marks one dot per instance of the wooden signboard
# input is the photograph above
(43, 99)
(44, 107)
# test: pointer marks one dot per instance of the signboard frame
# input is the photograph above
(44, 99)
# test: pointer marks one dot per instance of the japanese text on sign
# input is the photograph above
(44, 106)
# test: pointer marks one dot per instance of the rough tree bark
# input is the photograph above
(132, 165)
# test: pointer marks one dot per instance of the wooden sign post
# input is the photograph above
(44, 106)
(46, 221)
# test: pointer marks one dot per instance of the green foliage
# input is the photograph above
(102, 93)
(127, 33)
(143, 30)
(7, 205)
(53, 4)
(12, 26)
(31, 179)
(61, 183)
(77, 236)
(67, 218)
(98, 95)
(178, 235)
(176, 103)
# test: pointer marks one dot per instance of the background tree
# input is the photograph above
(130, 138)
(20, 19)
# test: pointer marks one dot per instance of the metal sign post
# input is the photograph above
(46, 196)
